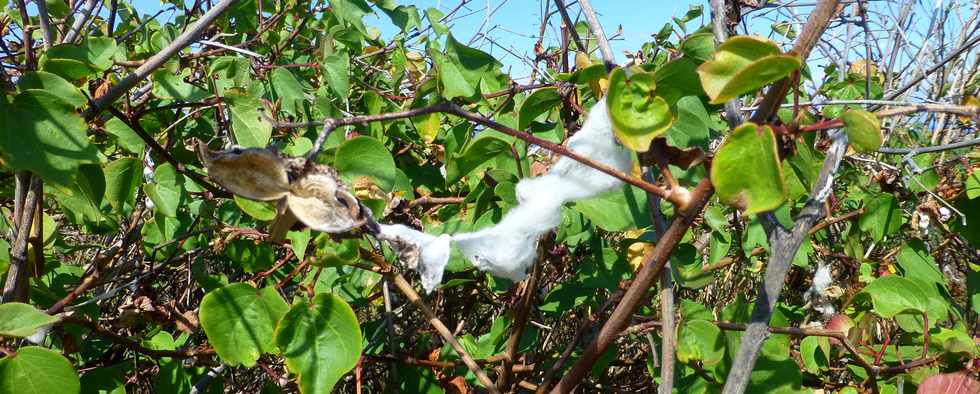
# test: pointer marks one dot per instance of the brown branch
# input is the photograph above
(15, 287)
(406, 288)
(815, 25)
(570, 26)
(429, 200)
(679, 200)
(182, 41)
(522, 311)
(648, 274)
(600, 36)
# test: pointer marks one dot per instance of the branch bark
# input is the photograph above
(156, 61)
(653, 263)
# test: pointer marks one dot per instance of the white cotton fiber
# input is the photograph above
(508, 248)
(433, 256)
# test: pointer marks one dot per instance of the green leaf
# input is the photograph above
(882, 216)
(918, 264)
(435, 19)
(288, 90)
(167, 191)
(298, 241)
(36, 370)
(123, 177)
(620, 210)
(366, 156)
(638, 115)
(126, 137)
(746, 171)
(815, 352)
(252, 257)
(336, 69)
(483, 148)
(260, 210)
(73, 62)
(405, 17)
(698, 46)
(428, 126)
(863, 130)
(892, 295)
(240, 321)
(43, 134)
(691, 128)
(351, 11)
(249, 127)
(320, 341)
(539, 102)
(743, 64)
(462, 69)
(973, 185)
(53, 84)
(22, 320)
(169, 86)
(700, 340)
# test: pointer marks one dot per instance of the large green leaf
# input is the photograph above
(863, 130)
(619, 210)
(893, 294)
(746, 171)
(321, 342)
(167, 191)
(43, 134)
(539, 102)
(700, 341)
(336, 69)
(126, 137)
(289, 91)
(52, 84)
(240, 321)
(483, 148)
(122, 177)
(405, 17)
(917, 263)
(251, 129)
(691, 128)
(21, 320)
(366, 156)
(462, 69)
(638, 114)
(351, 11)
(167, 85)
(36, 370)
(882, 216)
(743, 64)
(72, 62)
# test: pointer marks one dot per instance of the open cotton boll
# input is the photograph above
(508, 248)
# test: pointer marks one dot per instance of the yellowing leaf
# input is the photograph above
(746, 171)
(743, 64)
(638, 115)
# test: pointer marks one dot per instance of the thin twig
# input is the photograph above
(680, 200)
(156, 61)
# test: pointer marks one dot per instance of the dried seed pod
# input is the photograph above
(253, 173)
(319, 199)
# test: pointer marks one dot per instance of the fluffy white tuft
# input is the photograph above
(507, 249)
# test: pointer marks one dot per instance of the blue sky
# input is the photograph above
(514, 25)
